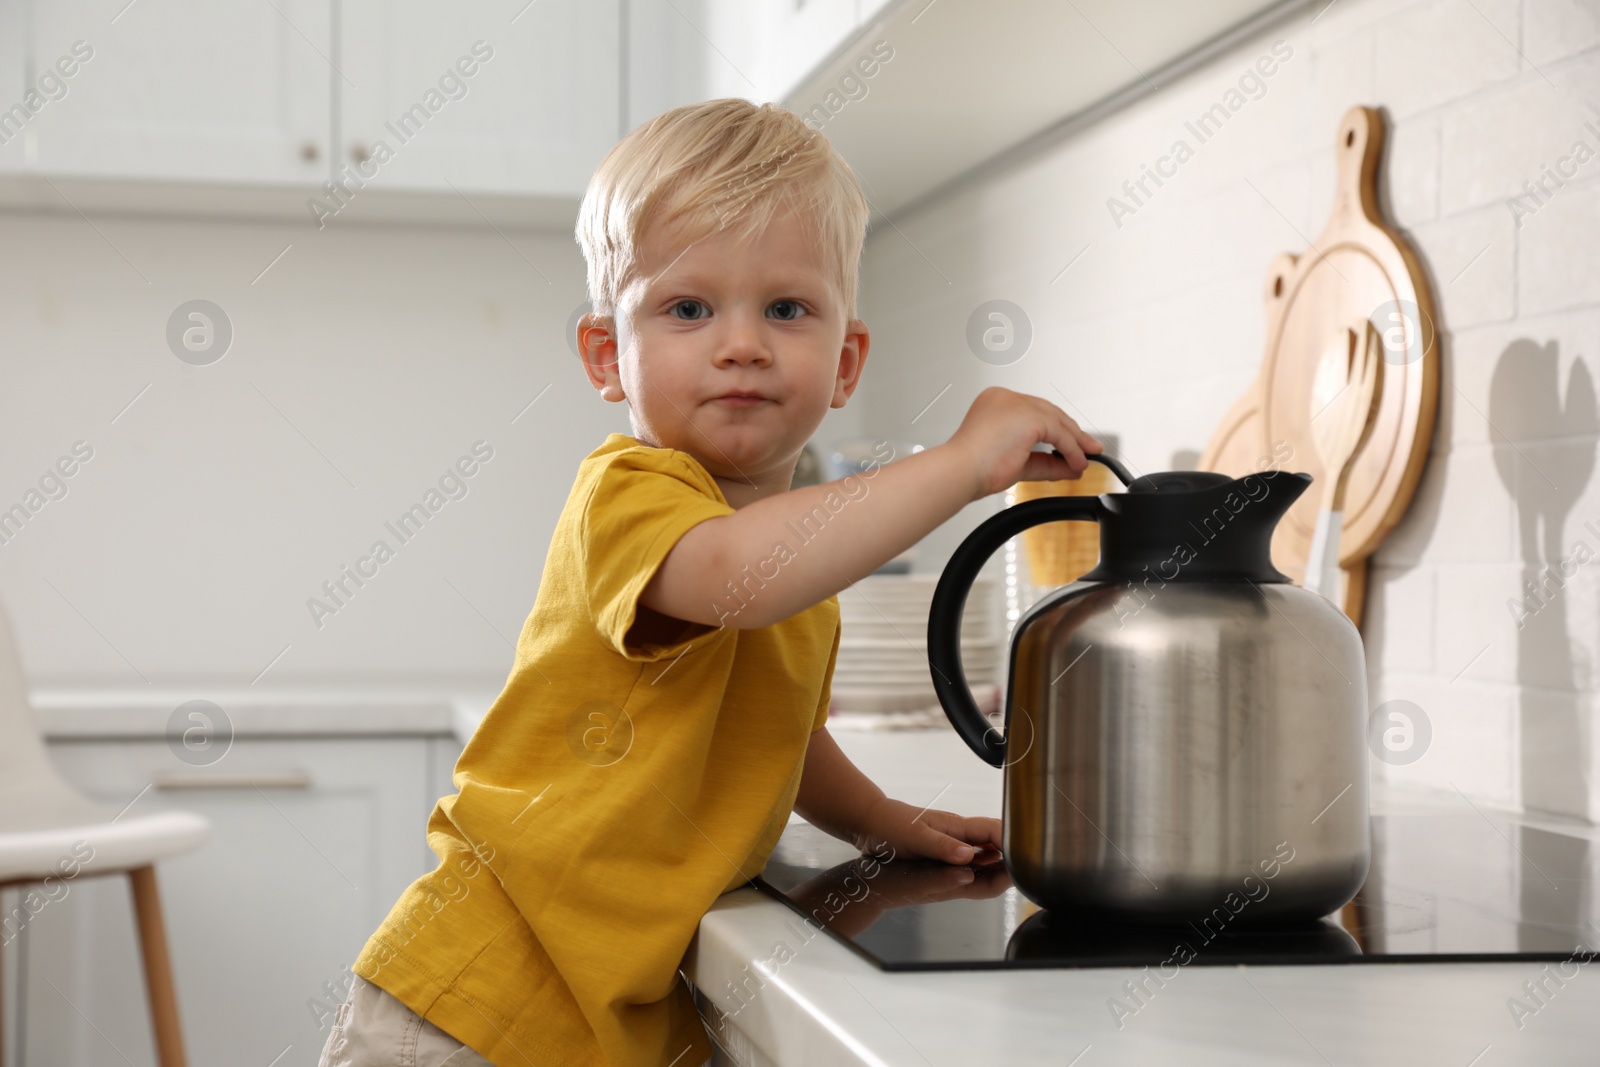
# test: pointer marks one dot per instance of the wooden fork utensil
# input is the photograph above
(1344, 408)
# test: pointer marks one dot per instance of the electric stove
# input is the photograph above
(1443, 887)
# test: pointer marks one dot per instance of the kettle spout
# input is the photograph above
(1281, 490)
(1270, 498)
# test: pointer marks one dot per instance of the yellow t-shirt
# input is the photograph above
(612, 792)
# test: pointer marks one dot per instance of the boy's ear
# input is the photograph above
(852, 359)
(597, 347)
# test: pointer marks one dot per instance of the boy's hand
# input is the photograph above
(934, 834)
(1000, 431)
(891, 885)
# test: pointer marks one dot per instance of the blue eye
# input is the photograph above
(798, 310)
(689, 303)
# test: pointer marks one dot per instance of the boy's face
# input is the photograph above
(731, 350)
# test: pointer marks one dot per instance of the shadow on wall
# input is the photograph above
(1526, 405)
(1185, 459)
(1421, 517)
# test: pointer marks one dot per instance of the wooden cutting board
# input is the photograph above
(1359, 268)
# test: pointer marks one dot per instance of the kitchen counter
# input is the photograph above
(827, 1005)
(104, 714)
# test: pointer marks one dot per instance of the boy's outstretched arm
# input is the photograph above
(838, 799)
(902, 503)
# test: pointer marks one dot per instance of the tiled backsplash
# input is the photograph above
(1149, 324)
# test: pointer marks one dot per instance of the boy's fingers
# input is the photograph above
(955, 851)
(1084, 437)
(1046, 467)
(979, 830)
(962, 838)
(934, 842)
(983, 831)
(1067, 445)
(1085, 440)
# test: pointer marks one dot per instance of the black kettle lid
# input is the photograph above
(1193, 525)
(1176, 481)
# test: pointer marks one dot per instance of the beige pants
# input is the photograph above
(373, 1029)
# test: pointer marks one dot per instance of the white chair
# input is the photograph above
(43, 820)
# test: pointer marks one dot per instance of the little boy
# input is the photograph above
(666, 707)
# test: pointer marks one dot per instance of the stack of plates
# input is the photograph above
(883, 644)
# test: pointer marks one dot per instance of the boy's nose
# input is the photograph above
(742, 345)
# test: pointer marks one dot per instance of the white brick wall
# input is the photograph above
(1157, 329)
(1561, 28)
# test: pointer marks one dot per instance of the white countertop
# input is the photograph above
(145, 713)
(829, 1006)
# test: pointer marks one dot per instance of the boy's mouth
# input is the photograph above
(741, 398)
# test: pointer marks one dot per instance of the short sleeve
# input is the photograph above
(820, 719)
(643, 501)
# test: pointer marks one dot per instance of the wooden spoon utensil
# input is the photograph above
(1344, 408)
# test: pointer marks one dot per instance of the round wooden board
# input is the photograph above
(1358, 270)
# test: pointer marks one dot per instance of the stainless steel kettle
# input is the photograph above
(1184, 728)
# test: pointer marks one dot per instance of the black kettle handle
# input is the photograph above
(950, 597)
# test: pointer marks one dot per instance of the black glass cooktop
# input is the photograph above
(1443, 887)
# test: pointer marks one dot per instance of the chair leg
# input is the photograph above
(157, 968)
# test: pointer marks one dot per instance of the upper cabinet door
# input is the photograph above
(808, 32)
(511, 97)
(13, 88)
(184, 90)
(762, 50)
(515, 98)
(867, 10)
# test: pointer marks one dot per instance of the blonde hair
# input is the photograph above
(722, 164)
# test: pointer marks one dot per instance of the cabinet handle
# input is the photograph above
(282, 780)
(309, 151)
(360, 152)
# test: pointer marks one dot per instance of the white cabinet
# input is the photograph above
(806, 34)
(265, 102)
(680, 53)
(262, 919)
(868, 10)
(13, 87)
(518, 99)
(762, 50)
(181, 89)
